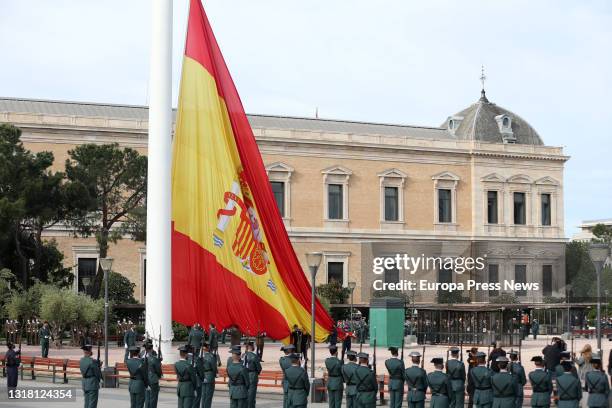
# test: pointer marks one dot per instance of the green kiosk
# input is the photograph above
(387, 316)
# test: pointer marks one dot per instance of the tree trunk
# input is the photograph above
(97, 290)
(23, 261)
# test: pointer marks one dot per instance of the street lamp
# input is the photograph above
(106, 264)
(313, 259)
(568, 289)
(599, 253)
(351, 286)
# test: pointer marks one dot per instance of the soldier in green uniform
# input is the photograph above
(285, 363)
(395, 368)
(45, 336)
(481, 378)
(456, 372)
(197, 364)
(209, 370)
(139, 378)
(596, 384)
(416, 378)
(541, 384)
(569, 390)
(238, 380)
(297, 382)
(90, 371)
(518, 371)
(155, 373)
(187, 379)
(348, 375)
(196, 336)
(253, 365)
(566, 356)
(439, 384)
(129, 340)
(213, 340)
(505, 385)
(335, 386)
(367, 386)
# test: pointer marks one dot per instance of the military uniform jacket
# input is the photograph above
(238, 380)
(396, 369)
(195, 338)
(252, 364)
(208, 368)
(129, 338)
(214, 339)
(155, 371)
(417, 383)
(348, 374)
(483, 393)
(90, 371)
(45, 335)
(366, 385)
(11, 359)
(596, 384)
(518, 371)
(139, 378)
(284, 363)
(541, 384)
(298, 386)
(505, 390)
(439, 383)
(560, 371)
(456, 372)
(569, 391)
(187, 378)
(334, 374)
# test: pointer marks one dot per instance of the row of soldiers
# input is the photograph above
(35, 334)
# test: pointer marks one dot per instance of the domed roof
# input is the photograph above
(487, 122)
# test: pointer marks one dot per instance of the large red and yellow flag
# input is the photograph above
(232, 261)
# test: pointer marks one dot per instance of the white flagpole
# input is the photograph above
(158, 279)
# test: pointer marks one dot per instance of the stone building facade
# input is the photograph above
(483, 184)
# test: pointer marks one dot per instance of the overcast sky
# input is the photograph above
(413, 62)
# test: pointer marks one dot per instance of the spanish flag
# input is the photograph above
(232, 261)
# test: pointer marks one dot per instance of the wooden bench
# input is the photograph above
(72, 370)
(48, 367)
(3, 364)
(27, 364)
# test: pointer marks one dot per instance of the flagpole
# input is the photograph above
(158, 279)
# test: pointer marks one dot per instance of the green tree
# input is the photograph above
(120, 289)
(334, 292)
(580, 272)
(114, 181)
(603, 233)
(59, 307)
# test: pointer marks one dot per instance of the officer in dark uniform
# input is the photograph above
(518, 371)
(335, 386)
(472, 362)
(541, 384)
(252, 364)
(196, 336)
(187, 379)
(90, 371)
(285, 363)
(259, 344)
(497, 351)
(416, 378)
(209, 373)
(596, 384)
(439, 384)
(367, 386)
(569, 390)
(297, 382)
(155, 373)
(348, 375)
(12, 360)
(129, 340)
(139, 378)
(566, 356)
(456, 371)
(395, 368)
(45, 337)
(505, 386)
(238, 380)
(481, 377)
(213, 340)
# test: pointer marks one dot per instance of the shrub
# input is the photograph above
(334, 292)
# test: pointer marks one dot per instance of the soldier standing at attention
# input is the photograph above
(596, 384)
(259, 343)
(45, 336)
(569, 390)
(209, 367)
(505, 386)
(348, 375)
(497, 351)
(196, 336)
(416, 378)
(238, 380)
(129, 340)
(285, 363)
(518, 371)
(367, 386)
(187, 379)
(472, 362)
(90, 371)
(155, 373)
(139, 378)
(335, 386)
(566, 356)
(456, 371)
(396, 369)
(439, 384)
(541, 384)
(213, 340)
(298, 382)
(252, 364)
(481, 377)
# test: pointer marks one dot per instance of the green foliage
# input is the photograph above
(552, 299)
(505, 298)
(391, 293)
(580, 272)
(453, 297)
(88, 310)
(603, 233)
(180, 331)
(334, 292)
(120, 289)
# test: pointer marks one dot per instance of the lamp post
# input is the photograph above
(568, 289)
(106, 264)
(598, 253)
(313, 259)
(352, 286)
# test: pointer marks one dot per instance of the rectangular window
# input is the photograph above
(445, 275)
(278, 188)
(334, 202)
(392, 275)
(335, 272)
(391, 204)
(519, 209)
(492, 207)
(547, 280)
(546, 215)
(493, 278)
(520, 276)
(445, 213)
(87, 268)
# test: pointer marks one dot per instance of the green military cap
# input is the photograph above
(363, 355)
(249, 343)
(87, 347)
(565, 354)
(184, 349)
(332, 347)
(537, 359)
(437, 360)
(148, 345)
(351, 353)
(567, 365)
(133, 349)
(288, 347)
(235, 350)
(393, 349)
(454, 350)
(294, 356)
(481, 354)
(501, 359)
(513, 353)
(415, 354)
(595, 358)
